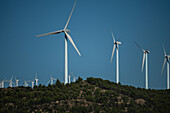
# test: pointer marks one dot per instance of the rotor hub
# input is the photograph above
(146, 51)
(68, 31)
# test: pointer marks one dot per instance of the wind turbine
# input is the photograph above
(74, 78)
(145, 56)
(166, 60)
(67, 37)
(2, 84)
(116, 45)
(17, 80)
(26, 83)
(32, 82)
(51, 79)
(10, 82)
(36, 80)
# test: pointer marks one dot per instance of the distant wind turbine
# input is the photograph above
(74, 77)
(36, 80)
(32, 83)
(116, 45)
(67, 36)
(17, 80)
(69, 78)
(51, 79)
(11, 82)
(2, 84)
(166, 60)
(26, 83)
(145, 56)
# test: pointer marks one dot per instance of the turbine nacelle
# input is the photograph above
(167, 56)
(146, 51)
(116, 42)
(66, 30)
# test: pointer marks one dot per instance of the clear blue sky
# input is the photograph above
(145, 21)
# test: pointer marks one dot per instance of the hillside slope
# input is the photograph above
(91, 95)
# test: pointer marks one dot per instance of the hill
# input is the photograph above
(91, 95)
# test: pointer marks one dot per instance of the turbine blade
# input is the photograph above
(36, 75)
(163, 66)
(50, 75)
(11, 78)
(48, 82)
(143, 61)
(13, 83)
(140, 47)
(70, 15)
(69, 37)
(51, 33)
(164, 50)
(113, 36)
(112, 53)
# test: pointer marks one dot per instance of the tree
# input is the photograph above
(79, 80)
(58, 84)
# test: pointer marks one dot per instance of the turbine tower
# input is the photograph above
(32, 82)
(145, 56)
(67, 37)
(10, 82)
(166, 60)
(116, 45)
(36, 80)
(17, 80)
(74, 79)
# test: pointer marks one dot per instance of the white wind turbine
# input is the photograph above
(116, 45)
(51, 79)
(17, 80)
(11, 82)
(36, 80)
(26, 83)
(166, 60)
(145, 56)
(67, 37)
(74, 79)
(2, 83)
(32, 83)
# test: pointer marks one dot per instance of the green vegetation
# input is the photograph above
(92, 95)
